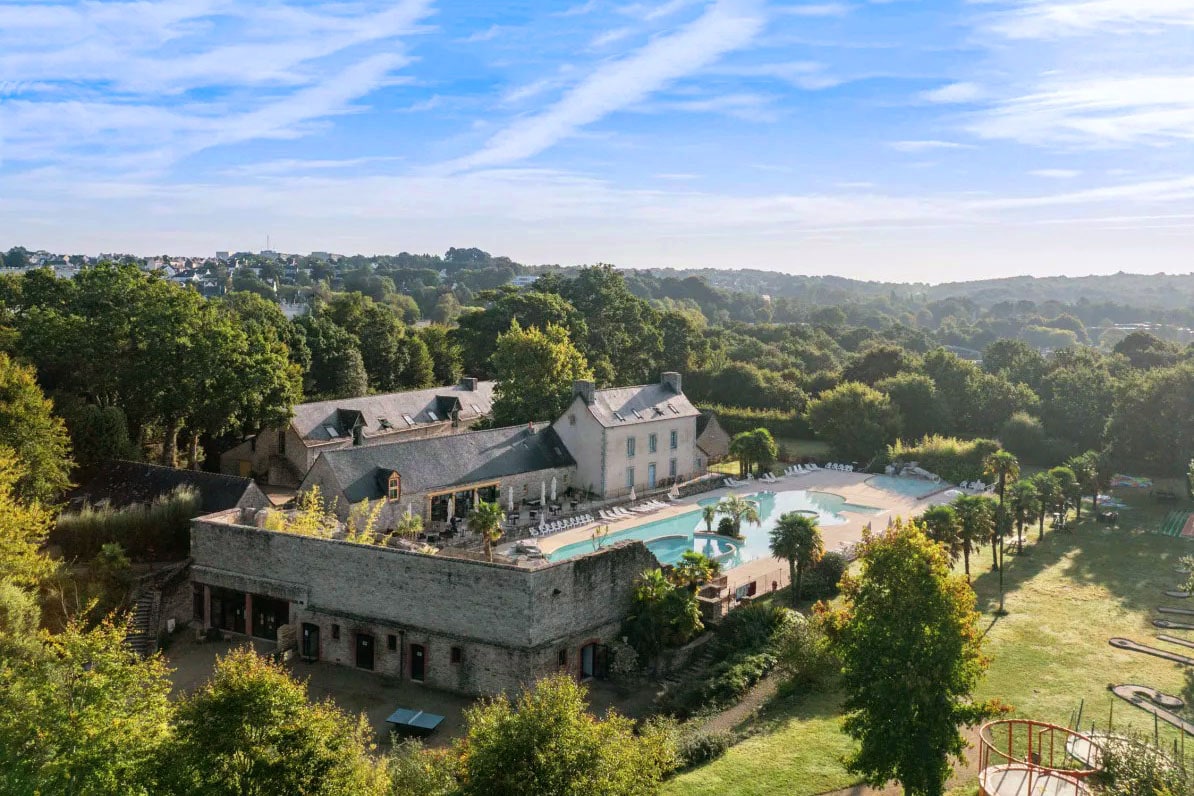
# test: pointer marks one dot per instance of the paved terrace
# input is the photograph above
(851, 486)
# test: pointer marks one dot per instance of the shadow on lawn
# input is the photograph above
(1134, 567)
(783, 708)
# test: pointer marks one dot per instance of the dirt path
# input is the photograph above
(755, 699)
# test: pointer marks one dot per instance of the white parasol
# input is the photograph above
(510, 500)
(451, 507)
(632, 497)
(542, 494)
(553, 489)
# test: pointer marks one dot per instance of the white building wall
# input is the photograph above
(617, 459)
(582, 436)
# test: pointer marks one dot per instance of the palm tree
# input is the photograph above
(486, 519)
(1024, 501)
(1086, 471)
(976, 523)
(941, 525)
(797, 538)
(693, 570)
(1047, 491)
(709, 514)
(740, 510)
(1004, 466)
(741, 446)
(754, 447)
(1067, 488)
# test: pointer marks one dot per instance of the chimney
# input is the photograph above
(469, 383)
(585, 389)
(671, 380)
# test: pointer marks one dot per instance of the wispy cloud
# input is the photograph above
(1056, 174)
(1056, 18)
(814, 10)
(725, 26)
(954, 93)
(927, 145)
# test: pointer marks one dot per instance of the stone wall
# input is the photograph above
(510, 622)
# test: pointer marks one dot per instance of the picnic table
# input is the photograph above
(414, 722)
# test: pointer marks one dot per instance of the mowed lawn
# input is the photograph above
(1065, 596)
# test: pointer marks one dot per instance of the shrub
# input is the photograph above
(804, 656)
(1134, 767)
(725, 526)
(731, 679)
(821, 581)
(163, 527)
(735, 420)
(698, 746)
(953, 459)
(750, 628)
(1024, 435)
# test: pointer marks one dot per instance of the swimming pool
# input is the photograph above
(909, 487)
(669, 538)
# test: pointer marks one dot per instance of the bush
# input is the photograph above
(821, 581)
(163, 527)
(1024, 435)
(750, 628)
(804, 656)
(953, 459)
(730, 680)
(1134, 767)
(725, 526)
(698, 746)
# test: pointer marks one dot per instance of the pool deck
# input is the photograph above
(771, 571)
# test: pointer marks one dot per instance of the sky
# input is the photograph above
(919, 140)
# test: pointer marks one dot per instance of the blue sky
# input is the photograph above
(933, 140)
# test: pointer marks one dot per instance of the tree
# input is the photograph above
(856, 420)
(877, 362)
(911, 659)
(477, 332)
(941, 524)
(661, 614)
(547, 742)
(486, 519)
(251, 730)
(623, 330)
(23, 529)
(1024, 436)
(83, 714)
(1024, 502)
(29, 428)
(444, 353)
(976, 523)
(337, 369)
(1049, 493)
(1087, 469)
(738, 510)
(797, 538)
(754, 447)
(915, 397)
(535, 370)
(1145, 351)
(709, 513)
(693, 570)
(1004, 467)
(1067, 488)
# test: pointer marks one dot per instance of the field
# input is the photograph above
(1065, 597)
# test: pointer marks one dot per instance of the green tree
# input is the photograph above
(941, 524)
(250, 730)
(535, 370)
(477, 332)
(623, 329)
(23, 529)
(661, 615)
(1087, 469)
(486, 519)
(1024, 503)
(797, 539)
(1067, 488)
(693, 570)
(976, 523)
(856, 420)
(1149, 428)
(82, 715)
(337, 369)
(29, 428)
(739, 510)
(1003, 466)
(444, 352)
(911, 659)
(915, 396)
(755, 447)
(877, 362)
(1049, 493)
(709, 513)
(546, 741)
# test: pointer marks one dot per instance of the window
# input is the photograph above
(392, 642)
(629, 477)
(675, 440)
(671, 469)
(562, 658)
(630, 448)
(336, 632)
(409, 420)
(394, 490)
(457, 654)
(652, 443)
(282, 442)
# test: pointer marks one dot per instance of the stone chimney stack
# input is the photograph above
(671, 380)
(469, 383)
(585, 389)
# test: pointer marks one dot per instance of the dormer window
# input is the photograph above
(394, 487)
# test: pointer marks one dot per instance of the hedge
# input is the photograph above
(735, 419)
(953, 459)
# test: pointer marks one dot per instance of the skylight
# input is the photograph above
(619, 416)
(408, 419)
(432, 415)
(332, 432)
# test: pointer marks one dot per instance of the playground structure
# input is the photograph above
(1022, 757)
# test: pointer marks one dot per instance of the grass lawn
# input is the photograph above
(794, 448)
(1065, 597)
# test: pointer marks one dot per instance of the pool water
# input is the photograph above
(670, 538)
(908, 487)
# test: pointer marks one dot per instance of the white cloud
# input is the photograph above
(926, 145)
(954, 93)
(612, 36)
(725, 26)
(815, 10)
(1052, 18)
(1056, 174)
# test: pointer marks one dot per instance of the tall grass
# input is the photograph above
(949, 457)
(161, 529)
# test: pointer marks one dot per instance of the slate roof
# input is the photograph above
(624, 406)
(314, 422)
(436, 462)
(124, 483)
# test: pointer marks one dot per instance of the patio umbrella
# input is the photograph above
(451, 506)
(410, 510)
(510, 500)
(632, 497)
(553, 489)
(542, 494)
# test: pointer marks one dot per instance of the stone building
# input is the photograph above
(712, 439)
(283, 456)
(443, 477)
(454, 623)
(640, 437)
